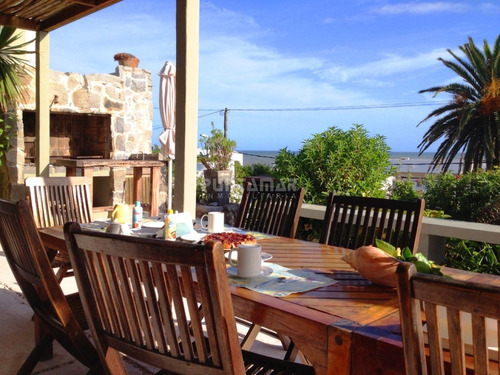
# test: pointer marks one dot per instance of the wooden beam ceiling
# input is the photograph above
(47, 15)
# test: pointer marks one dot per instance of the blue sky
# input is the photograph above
(345, 55)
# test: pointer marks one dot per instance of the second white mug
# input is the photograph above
(118, 228)
(249, 260)
(215, 222)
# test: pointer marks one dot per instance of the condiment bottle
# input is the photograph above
(137, 215)
(170, 226)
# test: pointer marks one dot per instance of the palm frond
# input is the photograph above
(477, 59)
(467, 65)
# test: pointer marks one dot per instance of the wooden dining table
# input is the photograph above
(350, 327)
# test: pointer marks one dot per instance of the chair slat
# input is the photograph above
(180, 313)
(164, 301)
(480, 347)
(119, 292)
(457, 353)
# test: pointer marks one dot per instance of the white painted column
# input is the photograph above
(42, 104)
(187, 65)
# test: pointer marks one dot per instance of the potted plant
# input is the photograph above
(215, 155)
(126, 59)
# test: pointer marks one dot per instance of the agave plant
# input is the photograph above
(470, 122)
(12, 68)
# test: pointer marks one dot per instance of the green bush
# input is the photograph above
(309, 229)
(473, 197)
(463, 197)
(403, 189)
(473, 256)
(345, 162)
(256, 169)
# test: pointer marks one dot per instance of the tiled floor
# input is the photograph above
(17, 338)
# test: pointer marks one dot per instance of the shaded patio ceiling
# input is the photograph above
(47, 15)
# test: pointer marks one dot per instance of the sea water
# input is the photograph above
(406, 162)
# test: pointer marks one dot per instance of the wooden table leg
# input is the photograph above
(155, 187)
(339, 350)
(70, 171)
(137, 184)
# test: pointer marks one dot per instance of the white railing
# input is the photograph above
(434, 232)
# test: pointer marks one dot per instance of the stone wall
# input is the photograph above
(125, 95)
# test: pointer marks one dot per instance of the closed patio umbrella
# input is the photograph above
(167, 113)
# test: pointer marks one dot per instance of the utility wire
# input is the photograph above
(337, 108)
(213, 111)
(314, 109)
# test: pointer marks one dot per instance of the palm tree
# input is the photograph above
(470, 122)
(12, 68)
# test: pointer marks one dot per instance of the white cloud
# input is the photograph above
(388, 66)
(422, 8)
(247, 75)
(490, 8)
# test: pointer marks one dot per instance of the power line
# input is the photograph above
(214, 111)
(337, 108)
(209, 114)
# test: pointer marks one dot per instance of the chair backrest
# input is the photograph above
(165, 303)
(352, 222)
(31, 267)
(457, 335)
(274, 211)
(57, 200)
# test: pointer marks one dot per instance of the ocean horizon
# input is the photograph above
(405, 161)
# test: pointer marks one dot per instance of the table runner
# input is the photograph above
(282, 281)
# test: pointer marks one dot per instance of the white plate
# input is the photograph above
(193, 237)
(234, 256)
(264, 271)
(153, 224)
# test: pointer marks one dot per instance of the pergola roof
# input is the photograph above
(47, 15)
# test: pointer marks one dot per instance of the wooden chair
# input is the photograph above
(267, 209)
(57, 200)
(59, 316)
(427, 351)
(352, 222)
(164, 303)
(272, 211)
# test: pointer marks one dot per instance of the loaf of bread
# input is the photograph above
(374, 264)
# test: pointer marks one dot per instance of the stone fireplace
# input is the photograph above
(106, 116)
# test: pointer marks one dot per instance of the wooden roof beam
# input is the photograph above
(18, 22)
(72, 13)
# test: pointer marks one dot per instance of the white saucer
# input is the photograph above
(234, 256)
(264, 271)
(153, 224)
(193, 237)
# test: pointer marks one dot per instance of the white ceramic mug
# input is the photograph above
(118, 228)
(215, 222)
(248, 260)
